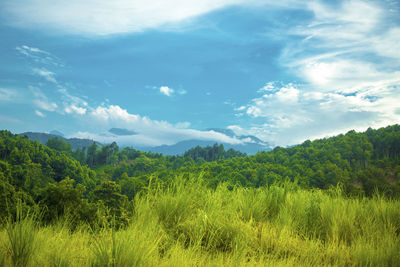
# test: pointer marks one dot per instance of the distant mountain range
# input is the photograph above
(251, 144)
(43, 137)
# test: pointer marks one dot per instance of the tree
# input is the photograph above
(59, 145)
(59, 199)
(91, 154)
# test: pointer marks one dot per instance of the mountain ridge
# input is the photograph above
(76, 143)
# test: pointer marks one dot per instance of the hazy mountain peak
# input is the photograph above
(55, 132)
(121, 131)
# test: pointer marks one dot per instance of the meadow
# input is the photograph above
(190, 224)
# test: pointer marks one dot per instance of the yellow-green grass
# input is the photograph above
(188, 224)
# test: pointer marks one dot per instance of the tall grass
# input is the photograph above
(189, 224)
(21, 236)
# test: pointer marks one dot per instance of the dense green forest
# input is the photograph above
(361, 162)
(105, 187)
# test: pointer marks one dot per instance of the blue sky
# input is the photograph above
(169, 69)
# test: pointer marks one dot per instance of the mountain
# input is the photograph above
(55, 132)
(251, 144)
(43, 137)
(121, 131)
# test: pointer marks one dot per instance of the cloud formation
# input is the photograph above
(48, 75)
(349, 65)
(40, 114)
(39, 55)
(41, 101)
(166, 90)
(94, 17)
(98, 119)
(74, 109)
(7, 95)
(149, 132)
(290, 115)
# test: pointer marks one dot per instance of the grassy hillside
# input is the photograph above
(189, 224)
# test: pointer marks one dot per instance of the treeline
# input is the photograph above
(96, 155)
(212, 153)
(360, 162)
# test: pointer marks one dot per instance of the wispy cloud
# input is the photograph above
(39, 55)
(41, 101)
(7, 95)
(48, 75)
(106, 17)
(182, 92)
(97, 17)
(40, 114)
(7, 119)
(30, 51)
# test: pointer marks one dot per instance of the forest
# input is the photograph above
(332, 201)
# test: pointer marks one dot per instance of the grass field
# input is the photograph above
(188, 224)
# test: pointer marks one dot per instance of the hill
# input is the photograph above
(42, 138)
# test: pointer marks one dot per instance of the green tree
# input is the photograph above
(59, 145)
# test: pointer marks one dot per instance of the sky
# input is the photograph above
(284, 71)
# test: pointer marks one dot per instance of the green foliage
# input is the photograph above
(59, 145)
(113, 204)
(216, 152)
(63, 199)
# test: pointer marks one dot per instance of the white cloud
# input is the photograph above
(241, 108)
(73, 104)
(41, 100)
(361, 47)
(39, 55)
(388, 44)
(166, 90)
(30, 51)
(149, 132)
(40, 114)
(95, 17)
(238, 130)
(74, 109)
(317, 114)
(45, 105)
(7, 95)
(48, 75)
(98, 17)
